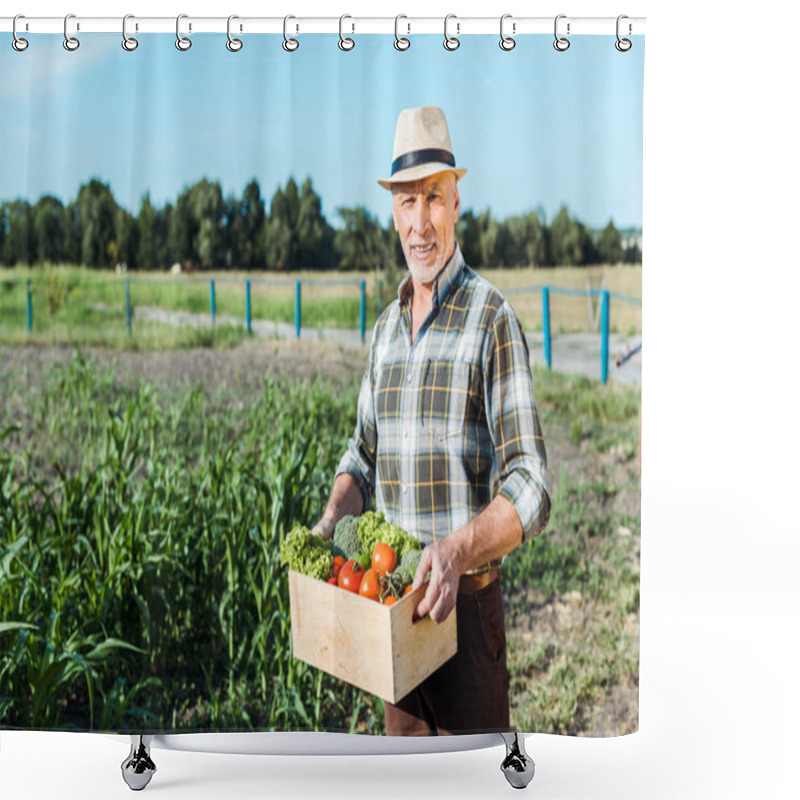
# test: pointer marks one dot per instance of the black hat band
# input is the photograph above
(430, 155)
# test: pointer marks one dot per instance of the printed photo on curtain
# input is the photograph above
(320, 372)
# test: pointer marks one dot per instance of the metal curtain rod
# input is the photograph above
(514, 26)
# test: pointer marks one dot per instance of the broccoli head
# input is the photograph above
(345, 538)
(408, 565)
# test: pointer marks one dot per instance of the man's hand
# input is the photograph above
(345, 499)
(325, 527)
(440, 598)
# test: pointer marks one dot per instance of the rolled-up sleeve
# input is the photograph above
(359, 458)
(513, 420)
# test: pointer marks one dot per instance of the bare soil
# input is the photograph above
(243, 366)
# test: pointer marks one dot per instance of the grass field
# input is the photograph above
(140, 518)
(74, 305)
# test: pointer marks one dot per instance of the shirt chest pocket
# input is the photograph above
(447, 398)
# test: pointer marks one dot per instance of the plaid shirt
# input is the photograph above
(448, 422)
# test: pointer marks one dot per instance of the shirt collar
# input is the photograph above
(442, 284)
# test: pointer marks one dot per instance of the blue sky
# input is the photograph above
(534, 127)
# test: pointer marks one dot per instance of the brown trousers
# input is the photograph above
(468, 693)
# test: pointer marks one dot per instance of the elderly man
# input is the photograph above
(447, 437)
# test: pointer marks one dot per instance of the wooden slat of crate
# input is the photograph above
(374, 647)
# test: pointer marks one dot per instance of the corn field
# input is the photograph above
(140, 526)
(139, 576)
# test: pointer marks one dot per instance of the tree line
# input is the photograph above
(204, 229)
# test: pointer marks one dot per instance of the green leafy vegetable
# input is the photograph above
(307, 553)
(373, 528)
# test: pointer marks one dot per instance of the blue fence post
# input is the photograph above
(247, 306)
(363, 315)
(297, 309)
(128, 305)
(213, 303)
(604, 309)
(548, 353)
(30, 305)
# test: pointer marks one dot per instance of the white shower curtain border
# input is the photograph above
(409, 26)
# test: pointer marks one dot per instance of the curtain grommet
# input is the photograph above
(623, 45)
(345, 42)
(451, 43)
(128, 42)
(18, 43)
(183, 43)
(561, 43)
(233, 44)
(400, 42)
(507, 43)
(289, 44)
(70, 43)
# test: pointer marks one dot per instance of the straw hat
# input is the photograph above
(421, 146)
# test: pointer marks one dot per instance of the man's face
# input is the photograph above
(425, 213)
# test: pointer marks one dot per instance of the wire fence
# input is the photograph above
(605, 297)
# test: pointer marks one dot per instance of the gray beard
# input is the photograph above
(425, 274)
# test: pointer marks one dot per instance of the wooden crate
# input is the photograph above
(374, 647)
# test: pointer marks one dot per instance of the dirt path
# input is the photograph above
(243, 366)
(573, 353)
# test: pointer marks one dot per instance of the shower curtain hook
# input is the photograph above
(19, 44)
(507, 42)
(70, 42)
(233, 44)
(289, 44)
(451, 42)
(400, 42)
(623, 45)
(128, 42)
(561, 44)
(181, 42)
(345, 42)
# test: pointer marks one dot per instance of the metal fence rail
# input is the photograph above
(605, 296)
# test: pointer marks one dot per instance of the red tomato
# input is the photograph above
(384, 557)
(390, 600)
(350, 576)
(332, 581)
(338, 563)
(369, 585)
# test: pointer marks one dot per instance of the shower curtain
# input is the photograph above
(234, 278)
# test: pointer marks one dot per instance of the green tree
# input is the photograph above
(161, 228)
(362, 243)
(50, 229)
(72, 241)
(489, 240)
(297, 235)
(96, 223)
(179, 237)
(17, 224)
(146, 246)
(570, 241)
(235, 244)
(314, 235)
(127, 238)
(206, 213)
(479, 238)
(469, 237)
(609, 245)
(252, 215)
(280, 233)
